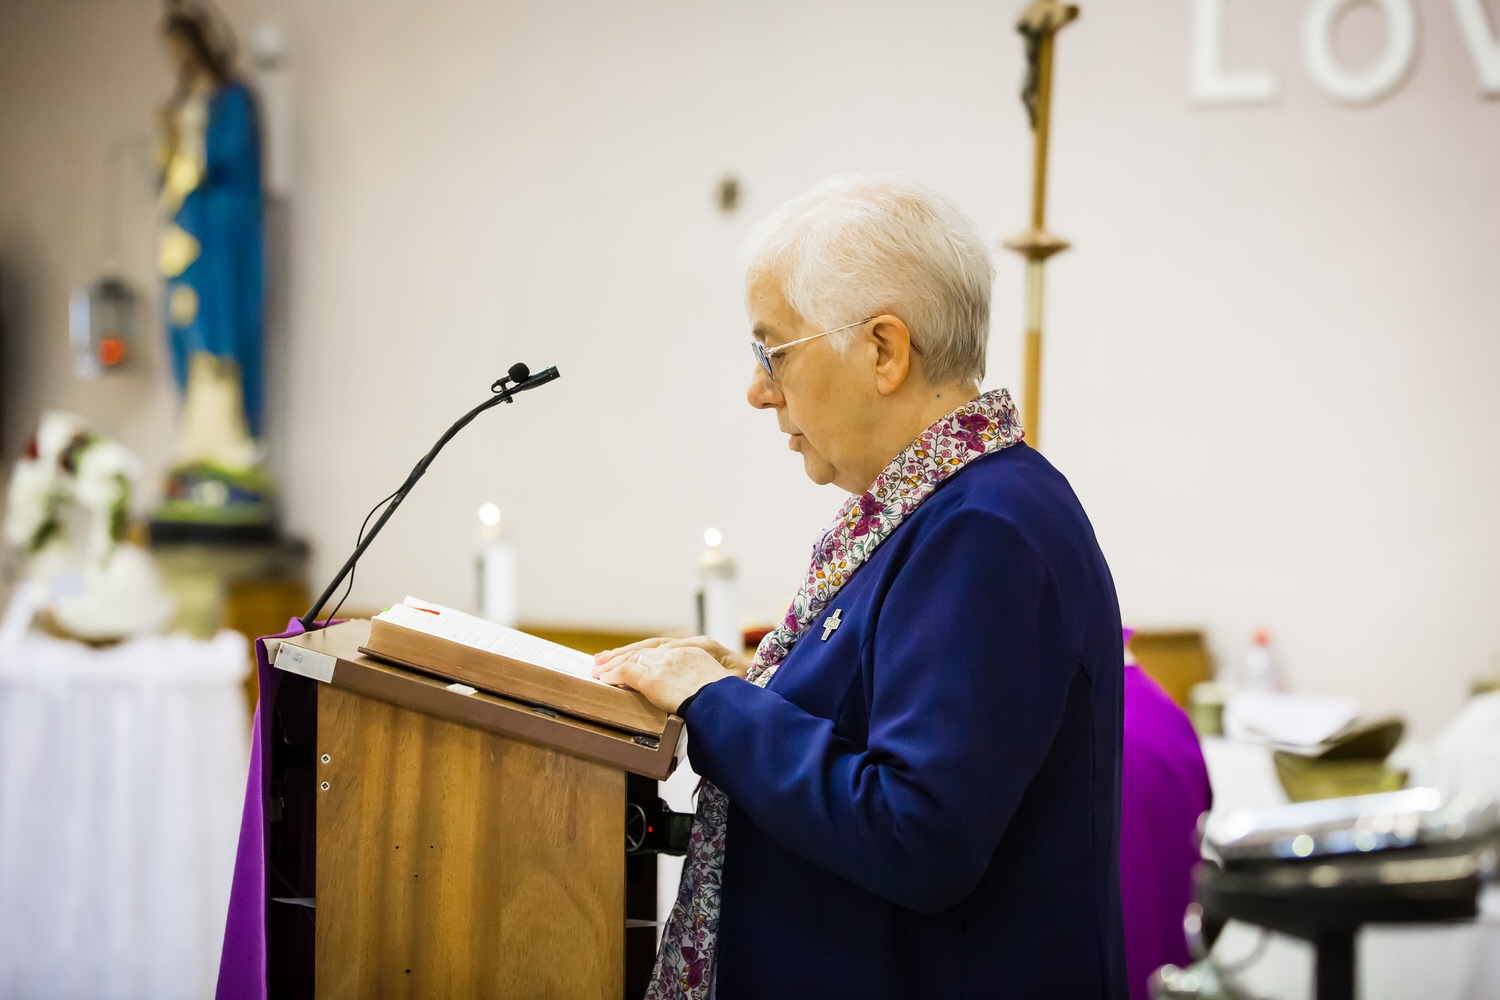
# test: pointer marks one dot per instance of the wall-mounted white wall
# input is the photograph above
(1270, 357)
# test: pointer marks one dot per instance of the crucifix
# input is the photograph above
(831, 623)
(1039, 24)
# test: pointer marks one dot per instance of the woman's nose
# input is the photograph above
(763, 393)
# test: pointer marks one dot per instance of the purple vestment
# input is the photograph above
(1163, 790)
(242, 964)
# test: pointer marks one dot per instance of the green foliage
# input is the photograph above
(119, 513)
(47, 530)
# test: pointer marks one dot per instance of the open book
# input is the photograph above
(462, 647)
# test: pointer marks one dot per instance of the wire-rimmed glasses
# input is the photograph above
(764, 354)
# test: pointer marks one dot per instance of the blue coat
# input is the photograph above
(927, 803)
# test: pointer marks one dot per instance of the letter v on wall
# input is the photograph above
(1483, 42)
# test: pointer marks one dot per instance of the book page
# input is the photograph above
(477, 633)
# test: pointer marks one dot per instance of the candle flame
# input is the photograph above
(713, 538)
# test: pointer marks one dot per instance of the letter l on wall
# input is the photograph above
(1210, 84)
(1483, 42)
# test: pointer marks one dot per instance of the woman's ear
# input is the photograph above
(892, 353)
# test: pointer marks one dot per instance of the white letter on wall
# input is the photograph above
(1484, 45)
(1375, 82)
(1210, 84)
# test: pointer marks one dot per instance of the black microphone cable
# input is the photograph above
(357, 539)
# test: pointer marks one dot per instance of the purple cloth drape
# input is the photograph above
(1164, 789)
(242, 963)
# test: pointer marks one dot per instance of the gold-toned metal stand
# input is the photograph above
(1039, 25)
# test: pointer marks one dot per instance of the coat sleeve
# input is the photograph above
(963, 709)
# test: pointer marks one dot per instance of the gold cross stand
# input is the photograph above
(1039, 25)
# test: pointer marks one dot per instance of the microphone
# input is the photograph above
(518, 373)
(517, 379)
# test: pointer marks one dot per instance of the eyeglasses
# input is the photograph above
(764, 354)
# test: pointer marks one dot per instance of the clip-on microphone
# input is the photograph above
(517, 380)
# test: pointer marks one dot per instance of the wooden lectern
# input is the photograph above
(465, 845)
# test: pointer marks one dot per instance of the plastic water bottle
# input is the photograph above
(1260, 672)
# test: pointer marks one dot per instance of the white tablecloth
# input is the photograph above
(1394, 962)
(122, 775)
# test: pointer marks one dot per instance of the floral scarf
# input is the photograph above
(685, 965)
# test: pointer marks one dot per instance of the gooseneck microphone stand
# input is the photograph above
(517, 380)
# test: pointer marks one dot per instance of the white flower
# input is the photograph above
(101, 467)
(105, 470)
(55, 432)
(110, 458)
(29, 502)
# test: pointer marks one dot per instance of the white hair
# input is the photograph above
(859, 245)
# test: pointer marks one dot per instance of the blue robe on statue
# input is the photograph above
(215, 304)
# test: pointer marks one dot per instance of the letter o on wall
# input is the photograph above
(1380, 79)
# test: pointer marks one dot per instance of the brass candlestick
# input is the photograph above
(1039, 25)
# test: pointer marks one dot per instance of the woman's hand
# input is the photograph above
(728, 658)
(668, 671)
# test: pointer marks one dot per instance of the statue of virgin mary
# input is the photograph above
(211, 255)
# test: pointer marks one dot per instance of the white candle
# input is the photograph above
(721, 615)
(497, 570)
(719, 607)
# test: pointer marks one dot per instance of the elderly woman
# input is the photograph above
(913, 790)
